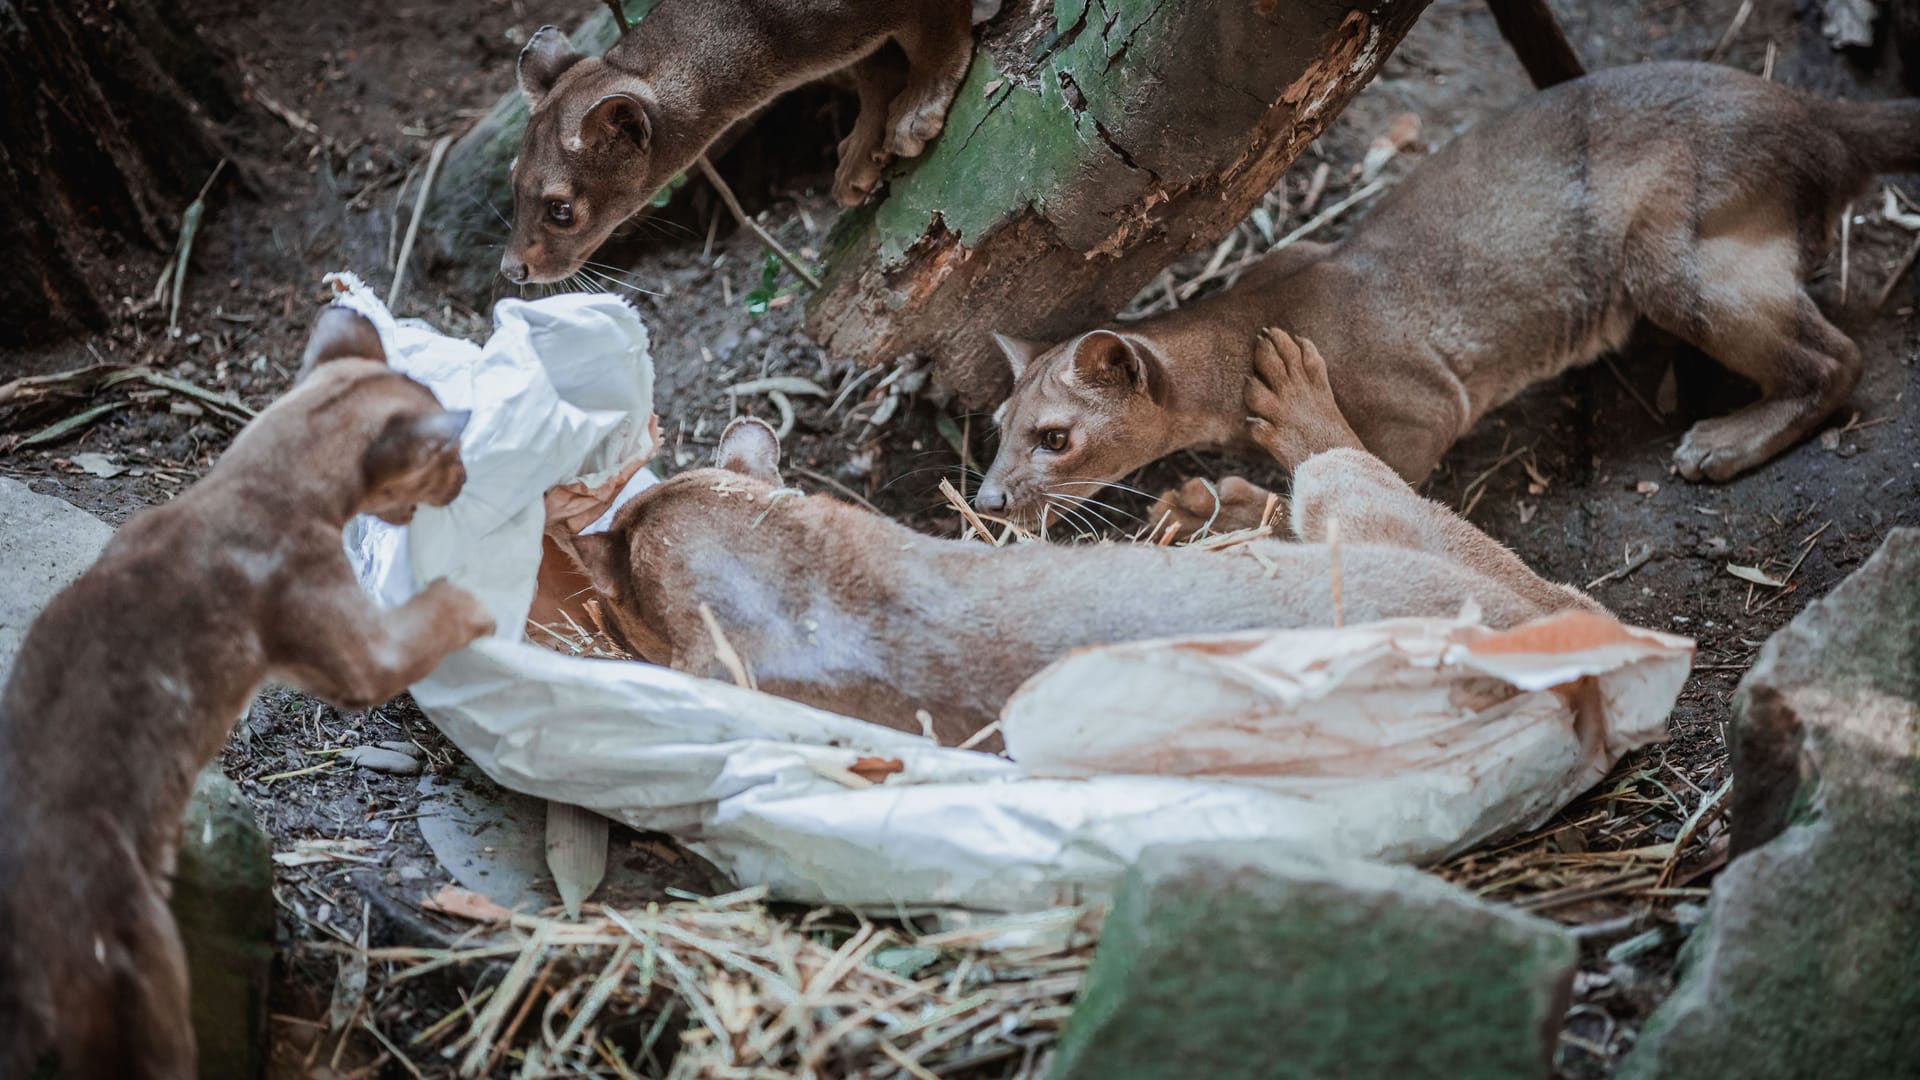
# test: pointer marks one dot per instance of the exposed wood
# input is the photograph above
(1081, 157)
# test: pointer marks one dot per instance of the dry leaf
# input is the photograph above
(466, 904)
(308, 852)
(100, 465)
(996, 84)
(1755, 575)
(875, 770)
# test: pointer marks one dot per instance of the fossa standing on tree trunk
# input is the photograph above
(607, 133)
(129, 681)
(1696, 197)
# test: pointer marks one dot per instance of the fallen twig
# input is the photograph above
(766, 239)
(1645, 406)
(413, 225)
(1638, 560)
(1899, 274)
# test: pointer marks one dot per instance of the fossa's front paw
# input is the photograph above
(1716, 451)
(916, 124)
(1291, 412)
(461, 610)
(858, 173)
(1229, 506)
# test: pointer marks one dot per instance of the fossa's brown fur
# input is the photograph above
(129, 681)
(1695, 196)
(607, 133)
(838, 607)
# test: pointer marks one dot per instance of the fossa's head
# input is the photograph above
(1082, 414)
(408, 447)
(586, 161)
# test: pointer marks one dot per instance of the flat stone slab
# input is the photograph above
(1808, 963)
(44, 544)
(1227, 961)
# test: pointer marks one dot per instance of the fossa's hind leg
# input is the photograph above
(1739, 298)
(938, 41)
(1340, 482)
(863, 153)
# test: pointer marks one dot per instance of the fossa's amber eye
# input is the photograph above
(560, 211)
(1054, 439)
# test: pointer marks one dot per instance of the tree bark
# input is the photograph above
(1082, 155)
(107, 135)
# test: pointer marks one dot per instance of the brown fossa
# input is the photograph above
(130, 680)
(838, 607)
(606, 134)
(1694, 196)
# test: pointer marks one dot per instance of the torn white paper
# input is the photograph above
(1402, 740)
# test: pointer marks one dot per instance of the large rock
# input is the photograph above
(1223, 960)
(1809, 963)
(44, 544)
(223, 901)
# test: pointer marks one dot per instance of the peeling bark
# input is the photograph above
(1145, 130)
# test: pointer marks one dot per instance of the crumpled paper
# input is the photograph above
(1406, 740)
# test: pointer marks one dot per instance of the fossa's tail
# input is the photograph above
(91, 969)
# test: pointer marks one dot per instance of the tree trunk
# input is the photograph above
(105, 138)
(1085, 152)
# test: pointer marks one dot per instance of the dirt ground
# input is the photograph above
(1574, 475)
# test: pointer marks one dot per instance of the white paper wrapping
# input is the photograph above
(1403, 740)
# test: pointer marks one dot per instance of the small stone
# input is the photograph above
(412, 873)
(1804, 964)
(381, 759)
(1231, 960)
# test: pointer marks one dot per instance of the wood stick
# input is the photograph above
(419, 211)
(619, 16)
(1333, 557)
(1536, 38)
(766, 239)
(1899, 274)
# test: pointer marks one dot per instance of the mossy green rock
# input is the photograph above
(1809, 962)
(223, 901)
(1224, 961)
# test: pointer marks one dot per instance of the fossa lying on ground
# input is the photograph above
(839, 607)
(129, 681)
(1695, 196)
(607, 133)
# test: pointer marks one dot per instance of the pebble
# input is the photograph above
(381, 759)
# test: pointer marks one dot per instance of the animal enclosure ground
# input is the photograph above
(1574, 475)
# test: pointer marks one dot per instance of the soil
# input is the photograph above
(1574, 475)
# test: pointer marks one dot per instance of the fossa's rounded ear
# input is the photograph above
(340, 333)
(1019, 352)
(614, 119)
(547, 56)
(414, 440)
(749, 447)
(1104, 358)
